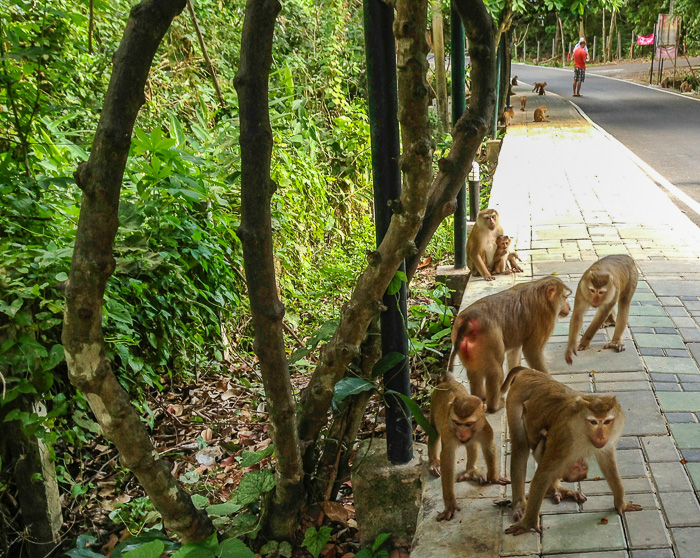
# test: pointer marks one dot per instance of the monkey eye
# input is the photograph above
(593, 422)
(608, 421)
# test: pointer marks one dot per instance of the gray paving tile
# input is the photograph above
(527, 543)
(679, 401)
(650, 321)
(652, 553)
(648, 311)
(687, 541)
(694, 473)
(685, 378)
(676, 353)
(690, 386)
(659, 341)
(690, 334)
(691, 304)
(646, 529)
(675, 267)
(663, 287)
(684, 322)
(681, 508)
(659, 448)
(694, 349)
(642, 413)
(692, 455)
(632, 486)
(670, 477)
(651, 352)
(670, 301)
(677, 311)
(622, 386)
(628, 442)
(604, 554)
(594, 358)
(680, 417)
(636, 330)
(605, 502)
(671, 365)
(582, 532)
(687, 436)
(630, 463)
(666, 330)
(656, 378)
(667, 387)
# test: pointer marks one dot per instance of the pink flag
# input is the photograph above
(647, 40)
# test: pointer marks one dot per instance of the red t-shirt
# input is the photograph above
(579, 57)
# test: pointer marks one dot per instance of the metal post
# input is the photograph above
(594, 41)
(474, 191)
(538, 53)
(619, 45)
(554, 47)
(458, 108)
(508, 42)
(653, 48)
(524, 51)
(384, 135)
(568, 54)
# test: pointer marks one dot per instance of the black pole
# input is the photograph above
(380, 50)
(459, 104)
(508, 60)
(653, 48)
(496, 108)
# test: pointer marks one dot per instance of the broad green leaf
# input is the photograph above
(428, 428)
(200, 502)
(234, 548)
(227, 508)
(315, 540)
(396, 282)
(250, 458)
(151, 549)
(380, 541)
(350, 385)
(253, 485)
(386, 363)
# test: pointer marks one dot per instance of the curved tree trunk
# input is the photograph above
(255, 232)
(411, 219)
(93, 262)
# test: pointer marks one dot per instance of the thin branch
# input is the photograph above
(203, 46)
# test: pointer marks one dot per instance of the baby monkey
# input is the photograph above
(504, 256)
(523, 102)
(459, 420)
(611, 280)
(514, 81)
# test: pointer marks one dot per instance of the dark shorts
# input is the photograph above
(580, 74)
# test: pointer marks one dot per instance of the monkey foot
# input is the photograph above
(583, 347)
(518, 529)
(473, 475)
(435, 469)
(629, 506)
(448, 514)
(564, 493)
(619, 347)
(608, 323)
(499, 480)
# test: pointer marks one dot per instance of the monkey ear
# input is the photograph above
(551, 292)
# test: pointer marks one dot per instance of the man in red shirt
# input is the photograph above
(580, 56)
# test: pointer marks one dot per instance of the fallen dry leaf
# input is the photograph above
(207, 434)
(335, 511)
(425, 262)
(176, 410)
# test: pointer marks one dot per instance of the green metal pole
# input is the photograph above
(384, 134)
(499, 64)
(458, 107)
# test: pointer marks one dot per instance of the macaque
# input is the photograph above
(523, 102)
(500, 256)
(539, 87)
(460, 421)
(577, 426)
(611, 280)
(504, 324)
(514, 81)
(686, 87)
(513, 260)
(541, 114)
(507, 115)
(481, 244)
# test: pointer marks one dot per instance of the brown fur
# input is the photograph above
(523, 102)
(481, 243)
(521, 318)
(537, 403)
(459, 420)
(514, 81)
(541, 114)
(539, 87)
(617, 275)
(500, 256)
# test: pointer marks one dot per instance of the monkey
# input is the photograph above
(523, 102)
(510, 91)
(610, 280)
(459, 420)
(481, 244)
(507, 115)
(539, 87)
(500, 256)
(665, 83)
(514, 81)
(503, 324)
(541, 114)
(513, 258)
(686, 87)
(578, 426)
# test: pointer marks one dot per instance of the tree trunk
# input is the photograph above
(411, 219)
(556, 41)
(613, 19)
(440, 79)
(563, 44)
(255, 232)
(93, 262)
(603, 37)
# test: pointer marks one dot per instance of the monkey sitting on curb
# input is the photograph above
(459, 420)
(577, 426)
(541, 114)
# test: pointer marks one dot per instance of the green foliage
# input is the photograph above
(316, 539)
(376, 550)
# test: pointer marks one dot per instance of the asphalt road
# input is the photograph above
(661, 128)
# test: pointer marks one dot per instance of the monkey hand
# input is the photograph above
(562, 493)
(522, 527)
(627, 506)
(489, 277)
(619, 347)
(435, 468)
(584, 344)
(499, 480)
(448, 513)
(473, 475)
(568, 356)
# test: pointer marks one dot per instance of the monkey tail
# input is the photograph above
(509, 379)
(465, 336)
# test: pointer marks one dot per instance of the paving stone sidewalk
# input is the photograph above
(569, 194)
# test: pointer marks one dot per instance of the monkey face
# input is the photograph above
(597, 294)
(502, 242)
(557, 295)
(599, 428)
(489, 217)
(465, 428)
